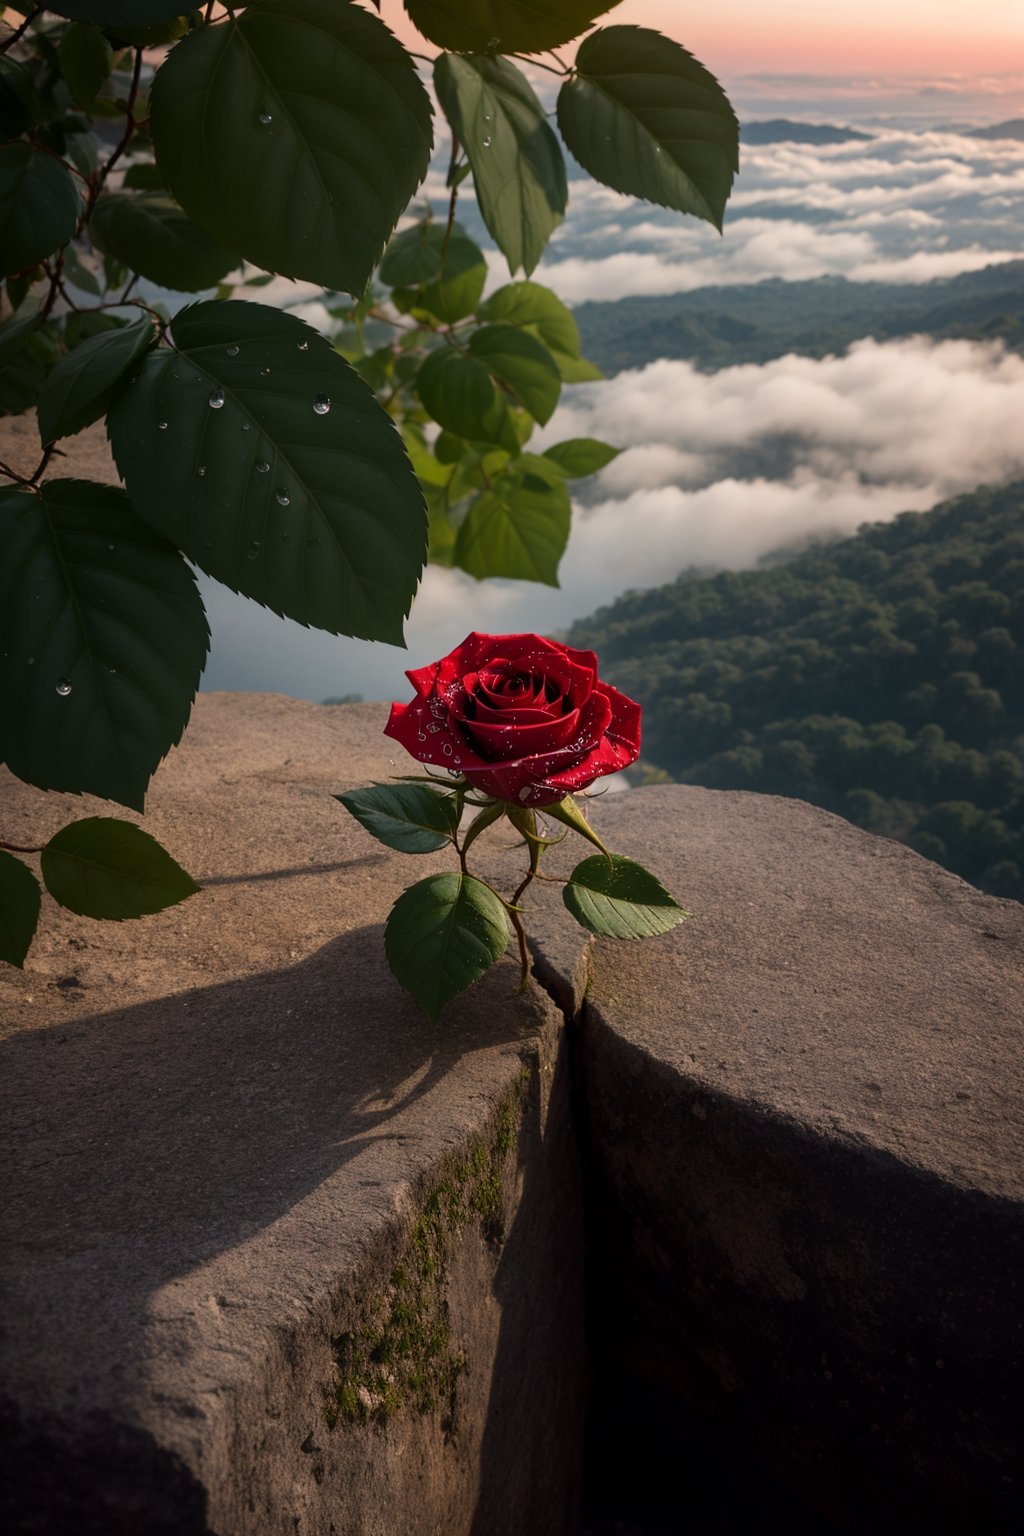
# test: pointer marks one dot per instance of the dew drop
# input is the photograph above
(487, 141)
(233, 351)
(161, 426)
(63, 687)
(201, 471)
(265, 119)
(246, 426)
(322, 404)
(421, 735)
(303, 346)
(31, 661)
(110, 546)
(282, 497)
(262, 468)
(264, 372)
(216, 399)
(447, 749)
(254, 549)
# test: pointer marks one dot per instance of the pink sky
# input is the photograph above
(905, 37)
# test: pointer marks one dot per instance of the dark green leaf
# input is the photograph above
(462, 397)
(17, 98)
(449, 276)
(410, 817)
(143, 176)
(19, 909)
(518, 529)
(77, 274)
(79, 388)
(295, 134)
(579, 456)
(28, 349)
(518, 170)
(623, 901)
(102, 641)
(442, 935)
(504, 26)
(533, 308)
(522, 363)
(38, 206)
(111, 13)
(111, 869)
(643, 116)
(275, 469)
(149, 233)
(85, 60)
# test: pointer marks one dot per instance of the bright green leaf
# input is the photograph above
(111, 869)
(38, 206)
(518, 529)
(580, 456)
(523, 364)
(462, 397)
(442, 935)
(296, 134)
(85, 60)
(79, 388)
(643, 116)
(448, 274)
(149, 233)
(262, 454)
(623, 901)
(518, 170)
(19, 909)
(102, 641)
(535, 309)
(504, 26)
(410, 817)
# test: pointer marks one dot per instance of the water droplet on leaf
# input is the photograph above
(161, 426)
(216, 399)
(266, 118)
(281, 496)
(201, 470)
(63, 687)
(322, 404)
(303, 346)
(262, 468)
(233, 351)
(487, 141)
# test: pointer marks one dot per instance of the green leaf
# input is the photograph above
(442, 935)
(80, 387)
(462, 397)
(38, 206)
(624, 901)
(28, 350)
(504, 26)
(449, 279)
(518, 529)
(409, 817)
(77, 274)
(85, 61)
(276, 470)
(102, 641)
(643, 116)
(149, 233)
(111, 869)
(518, 170)
(533, 308)
(19, 909)
(17, 98)
(296, 134)
(580, 456)
(523, 364)
(143, 176)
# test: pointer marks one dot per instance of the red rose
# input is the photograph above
(524, 718)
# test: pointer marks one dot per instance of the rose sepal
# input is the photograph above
(569, 814)
(489, 814)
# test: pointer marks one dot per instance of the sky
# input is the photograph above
(835, 36)
(725, 469)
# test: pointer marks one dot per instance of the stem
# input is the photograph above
(17, 848)
(100, 179)
(40, 469)
(29, 19)
(528, 59)
(452, 201)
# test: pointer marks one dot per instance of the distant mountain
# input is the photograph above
(881, 677)
(752, 323)
(782, 130)
(1014, 129)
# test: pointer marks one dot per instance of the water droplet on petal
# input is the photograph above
(447, 749)
(161, 426)
(266, 118)
(322, 404)
(216, 399)
(281, 496)
(303, 346)
(233, 351)
(63, 687)
(262, 468)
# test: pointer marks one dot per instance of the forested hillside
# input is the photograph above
(881, 677)
(719, 327)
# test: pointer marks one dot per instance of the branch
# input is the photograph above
(4, 47)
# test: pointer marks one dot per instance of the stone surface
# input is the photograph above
(803, 1140)
(223, 1126)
